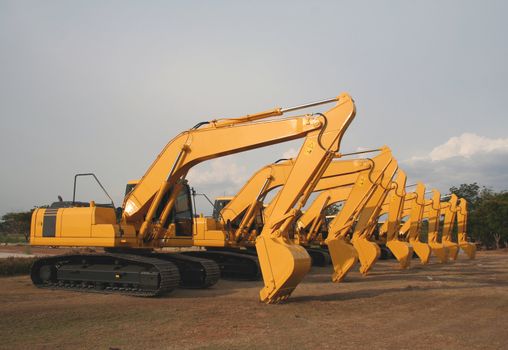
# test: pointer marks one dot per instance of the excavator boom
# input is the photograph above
(284, 263)
(402, 251)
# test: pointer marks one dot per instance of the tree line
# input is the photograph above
(487, 214)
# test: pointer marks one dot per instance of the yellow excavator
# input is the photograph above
(157, 212)
(433, 210)
(335, 185)
(244, 214)
(311, 221)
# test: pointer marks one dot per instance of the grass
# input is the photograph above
(15, 266)
(12, 238)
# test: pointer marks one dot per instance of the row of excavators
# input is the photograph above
(322, 207)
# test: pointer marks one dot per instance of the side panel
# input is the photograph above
(76, 222)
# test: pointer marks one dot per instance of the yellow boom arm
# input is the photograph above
(414, 205)
(249, 200)
(449, 210)
(394, 206)
(467, 247)
(282, 262)
(368, 251)
(341, 251)
(433, 213)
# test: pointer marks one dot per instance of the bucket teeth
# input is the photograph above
(343, 255)
(283, 265)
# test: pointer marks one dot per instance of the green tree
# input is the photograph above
(16, 223)
(490, 218)
(471, 192)
(488, 214)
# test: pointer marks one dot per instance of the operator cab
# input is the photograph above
(181, 215)
(220, 203)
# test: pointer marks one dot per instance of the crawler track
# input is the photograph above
(195, 272)
(233, 265)
(110, 273)
(320, 257)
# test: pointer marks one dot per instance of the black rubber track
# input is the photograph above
(320, 257)
(167, 274)
(234, 266)
(195, 272)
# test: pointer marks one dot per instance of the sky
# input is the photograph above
(102, 86)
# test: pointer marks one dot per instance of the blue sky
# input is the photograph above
(102, 86)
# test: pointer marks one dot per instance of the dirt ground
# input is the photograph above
(461, 305)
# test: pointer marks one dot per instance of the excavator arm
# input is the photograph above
(309, 223)
(449, 210)
(433, 213)
(341, 251)
(201, 144)
(282, 262)
(414, 205)
(247, 203)
(467, 247)
(394, 206)
(368, 251)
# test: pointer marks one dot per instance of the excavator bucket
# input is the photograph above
(422, 250)
(343, 255)
(402, 251)
(469, 249)
(283, 266)
(453, 249)
(368, 253)
(440, 251)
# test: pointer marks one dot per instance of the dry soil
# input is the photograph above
(460, 305)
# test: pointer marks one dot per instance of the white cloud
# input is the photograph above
(218, 177)
(468, 145)
(462, 159)
(290, 153)
(218, 171)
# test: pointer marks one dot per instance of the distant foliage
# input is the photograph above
(16, 223)
(333, 209)
(488, 214)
